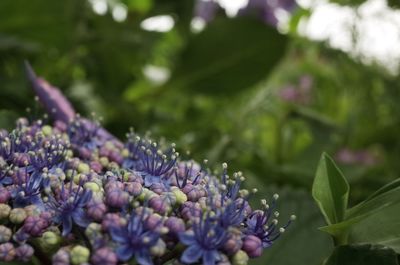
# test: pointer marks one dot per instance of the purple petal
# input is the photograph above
(84, 198)
(124, 252)
(210, 257)
(118, 235)
(192, 254)
(51, 98)
(143, 258)
(66, 225)
(187, 239)
(80, 218)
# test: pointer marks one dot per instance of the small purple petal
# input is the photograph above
(143, 258)
(124, 252)
(192, 254)
(187, 239)
(210, 257)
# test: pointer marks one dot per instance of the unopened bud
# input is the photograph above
(240, 258)
(79, 254)
(5, 210)
(5, 234)
(17, 215)
(158, 249)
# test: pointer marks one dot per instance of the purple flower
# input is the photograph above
(50, 154)
(204, 242)
(68, 207)
(155, 165)
(263, 224)
(187, 172)
(135, 239)
(28, 187)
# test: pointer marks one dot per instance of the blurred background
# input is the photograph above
(265, 85)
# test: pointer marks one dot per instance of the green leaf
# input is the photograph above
(39, 22)
(330, 190)
(7, 119)
(375, 220)
(394, 3)
(141, 6)
(349, 2)
(228, 56)
(362, 255)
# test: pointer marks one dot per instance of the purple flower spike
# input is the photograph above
(51, 98)
(58, 106)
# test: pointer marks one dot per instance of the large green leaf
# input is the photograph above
(40, 22)
(228, 56)
(362, 255)
(330, 190)
(375, 221)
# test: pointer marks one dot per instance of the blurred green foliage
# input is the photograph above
(239, 91)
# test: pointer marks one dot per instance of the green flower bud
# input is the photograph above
(69, 173)
(50, 238)
(98, 196)
(109, 145)
(78, 177)
(113, 166)
(240, 258)
(158, 249)
(180, 196)
(126, 176)
(31, 210)
(104, 161)
(79, 254)
(5, 234)
(17, 215)
(92, 186)
(69, 154)
(92, 230)
(125, 153)
(83, 168)
(147, 194)
(4, 211)
(47, 130)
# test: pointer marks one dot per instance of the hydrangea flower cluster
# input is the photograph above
(71, 193)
